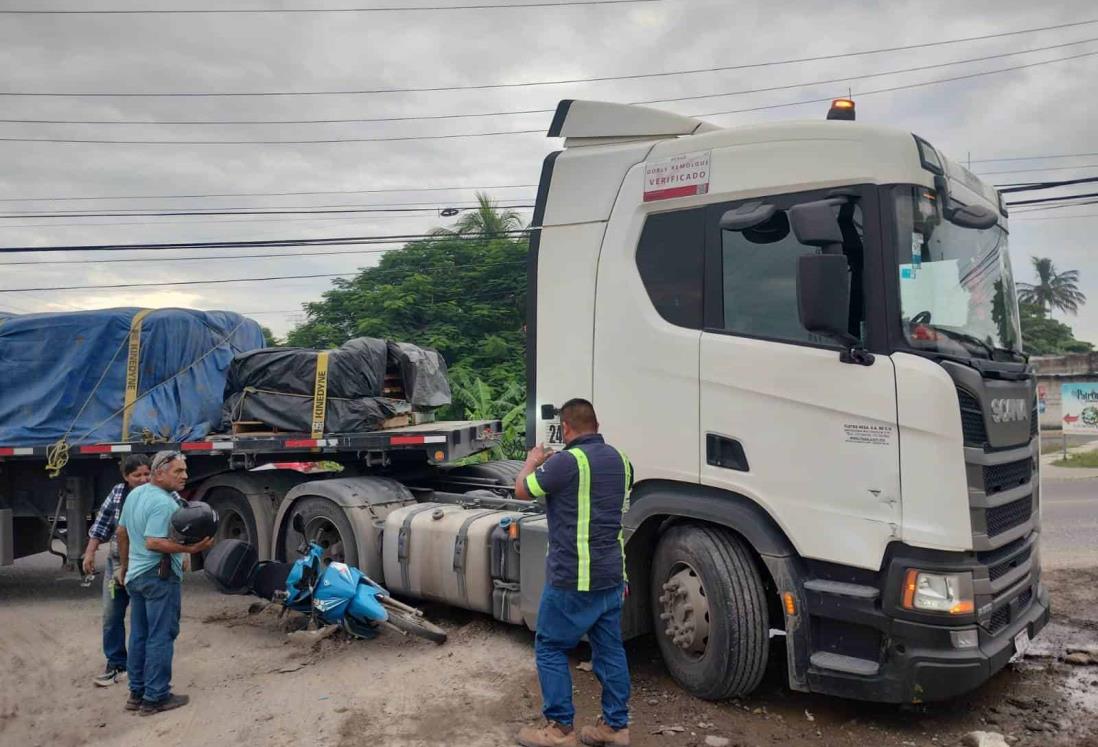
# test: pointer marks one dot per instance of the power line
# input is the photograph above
(329, 241)
(1048, 185)
(901, 88)
(272, 194)
(1041, 200)
(1033, 171)
(282, 11)
(287, 255)
(564, 81)
(209, 282)
(241, 211)
(472, 115)
(399, 138)
(1033, 158)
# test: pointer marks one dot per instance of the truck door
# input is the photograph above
(783, 420)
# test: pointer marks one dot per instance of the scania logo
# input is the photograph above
(1009, 410)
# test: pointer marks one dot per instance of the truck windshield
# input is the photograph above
(957, 293)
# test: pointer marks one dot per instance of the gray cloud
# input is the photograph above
(1039, 110)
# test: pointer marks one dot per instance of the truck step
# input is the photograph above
(844, 664)
(841, 588)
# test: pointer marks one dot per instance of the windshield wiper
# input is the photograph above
(965, 337)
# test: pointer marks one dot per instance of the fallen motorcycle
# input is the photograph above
(329, 592)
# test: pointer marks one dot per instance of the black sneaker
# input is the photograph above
(133, 702)
(110, 676)
(167, 704)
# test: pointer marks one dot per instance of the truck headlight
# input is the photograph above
(948, 593)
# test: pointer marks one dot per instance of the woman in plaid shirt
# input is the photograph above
(135, 471)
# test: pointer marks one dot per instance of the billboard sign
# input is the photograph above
(1079, 407)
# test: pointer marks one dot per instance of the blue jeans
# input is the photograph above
(564, 617)
(114, 619)
(154, 624)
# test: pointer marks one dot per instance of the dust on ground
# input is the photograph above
(252, 681)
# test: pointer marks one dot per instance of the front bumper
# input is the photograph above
(920, 663)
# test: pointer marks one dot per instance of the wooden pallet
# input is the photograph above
(254, 428)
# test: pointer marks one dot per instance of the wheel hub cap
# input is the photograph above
(685, 611)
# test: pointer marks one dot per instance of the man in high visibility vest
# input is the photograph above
(585, 489)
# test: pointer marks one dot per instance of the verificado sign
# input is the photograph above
(679, 176)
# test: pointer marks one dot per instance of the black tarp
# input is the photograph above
(423, 373)
(356, 369)
(293, 413)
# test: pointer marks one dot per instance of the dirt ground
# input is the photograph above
(251, 683)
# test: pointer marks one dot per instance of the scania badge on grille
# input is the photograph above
(1009, 410)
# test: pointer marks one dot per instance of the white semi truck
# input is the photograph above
(806, 338)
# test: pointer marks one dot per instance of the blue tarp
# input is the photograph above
(50, 365)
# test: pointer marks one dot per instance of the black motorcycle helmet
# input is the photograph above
(194, 522)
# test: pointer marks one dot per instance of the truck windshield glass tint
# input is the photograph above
(760, 277)
(956, 289)
(671, 261)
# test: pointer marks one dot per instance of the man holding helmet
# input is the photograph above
(152, 566)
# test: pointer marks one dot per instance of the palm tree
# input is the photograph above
(485, 220)
(1053, 290)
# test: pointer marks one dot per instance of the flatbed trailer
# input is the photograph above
(37, 511)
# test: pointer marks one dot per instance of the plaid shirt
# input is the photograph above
(106, 521)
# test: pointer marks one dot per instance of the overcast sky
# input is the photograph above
(1041, 110)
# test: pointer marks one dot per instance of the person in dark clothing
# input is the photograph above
(585, 489)
(135, 472)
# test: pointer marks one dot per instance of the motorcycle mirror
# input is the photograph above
(298, 524)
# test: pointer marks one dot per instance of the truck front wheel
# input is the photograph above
(709, 611)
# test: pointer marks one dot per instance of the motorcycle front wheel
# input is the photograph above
(410, 622)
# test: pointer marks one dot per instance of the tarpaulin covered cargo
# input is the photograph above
(74, 373)
(294, 413)
(356, 369)
(423, 372)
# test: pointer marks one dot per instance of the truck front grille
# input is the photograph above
(1034, 426)
(999, 620)
(1000, 477)
(996, 572)
(972, 419)
(1009, 515)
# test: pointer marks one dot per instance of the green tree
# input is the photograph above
(478, 401)
(1042, 335)
(486, 220)
(1053, 290)
(269, 339)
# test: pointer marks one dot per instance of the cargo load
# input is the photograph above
(360, 386)
(117, 374)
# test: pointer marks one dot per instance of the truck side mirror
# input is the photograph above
(815, 224)
(747, 216)
(971, 216)
(823, 302)
(823, 295)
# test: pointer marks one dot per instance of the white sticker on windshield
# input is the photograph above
(916, 250)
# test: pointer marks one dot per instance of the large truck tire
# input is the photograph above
(709, 611)
(236, 519)
(325, 524)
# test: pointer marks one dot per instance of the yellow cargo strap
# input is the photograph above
(133, 371)
(320, 394)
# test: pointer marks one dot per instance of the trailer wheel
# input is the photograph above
(709, 611)
(236, 519)
(326, 525)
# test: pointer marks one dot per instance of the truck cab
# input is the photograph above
(805, 335)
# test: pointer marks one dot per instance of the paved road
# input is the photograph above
(1069, 520)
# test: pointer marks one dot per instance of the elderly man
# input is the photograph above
(586, 490)
(152, 566)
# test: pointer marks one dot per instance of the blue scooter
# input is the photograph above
(329, 592)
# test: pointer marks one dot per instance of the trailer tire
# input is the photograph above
(236, 519)
(327, 525)
(704, 568)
